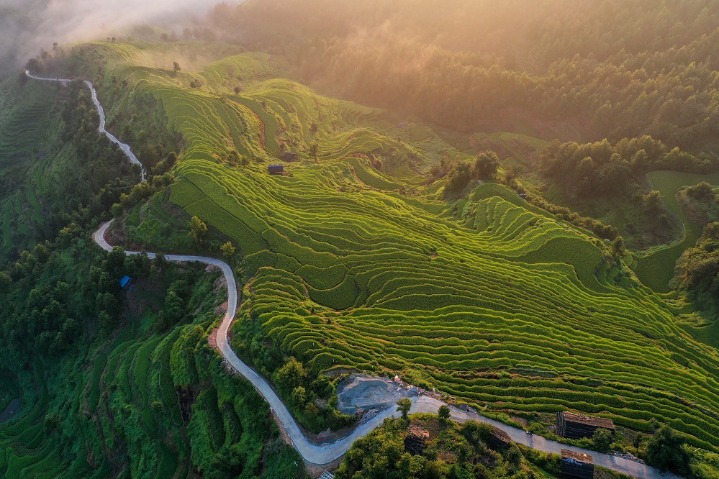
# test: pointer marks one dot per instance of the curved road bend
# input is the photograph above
(321, 454)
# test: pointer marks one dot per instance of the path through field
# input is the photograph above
(326, 453)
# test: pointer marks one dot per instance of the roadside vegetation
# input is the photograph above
(402, 238)
(124, 382)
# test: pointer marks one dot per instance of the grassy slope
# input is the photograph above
(656, 267)
(30, 145)
(502, 310)
(112, 408)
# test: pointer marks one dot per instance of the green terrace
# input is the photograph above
(348, 265)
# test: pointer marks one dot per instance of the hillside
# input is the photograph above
(497, 303)
(493, 218)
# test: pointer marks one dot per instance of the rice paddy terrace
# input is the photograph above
(351, 262)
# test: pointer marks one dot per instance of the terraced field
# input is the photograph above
(487, 299)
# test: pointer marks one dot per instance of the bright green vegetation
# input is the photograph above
(448, 451)
(351, 263)
(29, 112)
(142, 395)
(356, 259)
(697, 270)
(54, 168)
(656, 267)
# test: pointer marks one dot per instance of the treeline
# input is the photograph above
(47, 305)
(614, 68)
(600, 169)
(697, 271)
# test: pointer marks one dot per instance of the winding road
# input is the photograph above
(101, 113)
(321, 454)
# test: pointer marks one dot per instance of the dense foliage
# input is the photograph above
(74, 174)
(602, 169)
(698, 270)
(619, 69)
(124, 383)
(449, 452)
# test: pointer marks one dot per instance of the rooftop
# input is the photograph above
(577, 456)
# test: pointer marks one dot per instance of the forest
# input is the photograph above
(623, 69)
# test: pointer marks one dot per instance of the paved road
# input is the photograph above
(321, 454)
(101, 113)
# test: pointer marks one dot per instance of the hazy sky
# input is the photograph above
(28, 25)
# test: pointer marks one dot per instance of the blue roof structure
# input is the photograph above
(125, 281)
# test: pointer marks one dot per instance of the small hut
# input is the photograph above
(576, 464)
(576, 426)
(416, 440)
(276, 170)
(289, 156)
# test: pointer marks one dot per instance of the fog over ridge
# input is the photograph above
(28, 25)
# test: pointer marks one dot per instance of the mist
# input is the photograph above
(26, 26)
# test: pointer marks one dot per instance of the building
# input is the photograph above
(327, 475)
(576, 426)
(289, 156)
(576, 464)
(276, 170)
(125, 282)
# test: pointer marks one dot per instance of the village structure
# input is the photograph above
(575, 464)
(276, 169)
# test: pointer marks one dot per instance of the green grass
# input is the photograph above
(352, 266)
(656, 267)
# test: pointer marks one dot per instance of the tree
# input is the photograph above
(228, 250)
(115, 262)
(602, 439)
(313, 150)
(292, 374)
(198, 231)
(444, 413)
(176, 68)
(5, 280)
(618, 247)
(652, 202)
(403, 406)
(485, 167)
(458, 178)
(299, 396)
(666, 451)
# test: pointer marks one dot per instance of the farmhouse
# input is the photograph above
(576, 426)
(576, 464)
(276, 170)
